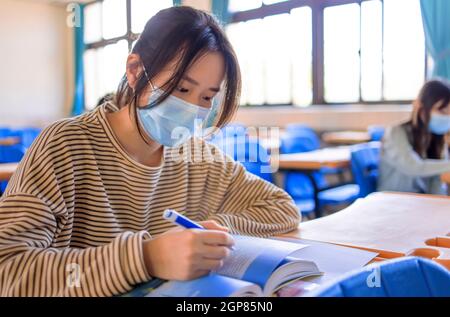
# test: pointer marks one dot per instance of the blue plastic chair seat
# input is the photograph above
(342, 194)
(404, 277)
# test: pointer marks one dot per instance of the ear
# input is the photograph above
(134, 69)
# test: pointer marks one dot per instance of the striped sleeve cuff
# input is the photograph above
(132, 257)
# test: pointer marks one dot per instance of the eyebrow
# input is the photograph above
(194, 82)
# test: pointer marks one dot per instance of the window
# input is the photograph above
(358, 50)
(108, 41)
(275, 69)
(341, 53)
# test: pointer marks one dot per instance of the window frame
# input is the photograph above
(318, 70)
(129, 36)
(317, 11)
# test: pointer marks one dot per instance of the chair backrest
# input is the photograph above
(293, 128)
(376, 132)
(300, 141)
(26, 135)
(364, 164)
(249, 152)
(4, 132)
(11, 153)
(404, 277)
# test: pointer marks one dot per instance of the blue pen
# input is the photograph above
(182, 221)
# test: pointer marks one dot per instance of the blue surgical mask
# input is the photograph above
(172, 122)
(439, 123)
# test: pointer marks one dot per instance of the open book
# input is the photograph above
(257, 267)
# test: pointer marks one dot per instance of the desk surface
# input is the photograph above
(346, 137)
(7, 170)
(393, 224)
(327, 157)
(9, 141)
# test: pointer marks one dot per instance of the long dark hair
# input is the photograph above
(424, 142)
(182, 34)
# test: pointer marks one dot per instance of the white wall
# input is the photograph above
(35, 63)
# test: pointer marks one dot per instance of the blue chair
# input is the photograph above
(251, 154)
(4, 132)
(26, 135)
(365, 159)
(404, 277)
(376, 132)
(10, 154)
(294, 128)
(300, 186)
(298, 142)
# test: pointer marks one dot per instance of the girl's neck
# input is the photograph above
(124, 126)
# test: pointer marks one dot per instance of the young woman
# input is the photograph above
(83, 213)
(415, 154)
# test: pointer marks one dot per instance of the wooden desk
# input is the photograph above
(9, 141)
(328, 157)
(446, 178)
(346, 137)
(309, 162)
(392, 224)
(7, 170)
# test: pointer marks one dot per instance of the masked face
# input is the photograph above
(439, 123)
(172, 122)
(194, 104)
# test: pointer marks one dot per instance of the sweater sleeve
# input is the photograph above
(397, 151)
(253, 206)
(34, 213)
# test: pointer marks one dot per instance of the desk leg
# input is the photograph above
(317, 207)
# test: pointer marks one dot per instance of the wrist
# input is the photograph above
(148, 259)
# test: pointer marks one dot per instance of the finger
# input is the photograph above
(213, 225)
(214, 237)
(215, 252)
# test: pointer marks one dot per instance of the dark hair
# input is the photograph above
(182, 34)
(107, 97)
(425, 143)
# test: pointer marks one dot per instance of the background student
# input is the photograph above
(414, 154)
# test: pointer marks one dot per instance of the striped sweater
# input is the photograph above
(76, 212)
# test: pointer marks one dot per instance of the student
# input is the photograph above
(83, 213)
(415, 154)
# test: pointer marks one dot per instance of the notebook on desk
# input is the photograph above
(266, 267)
(256, 267)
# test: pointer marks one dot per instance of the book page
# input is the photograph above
(212, 285)
(254, 259)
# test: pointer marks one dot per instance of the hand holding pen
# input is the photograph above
(187, 254)
(183, 221)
